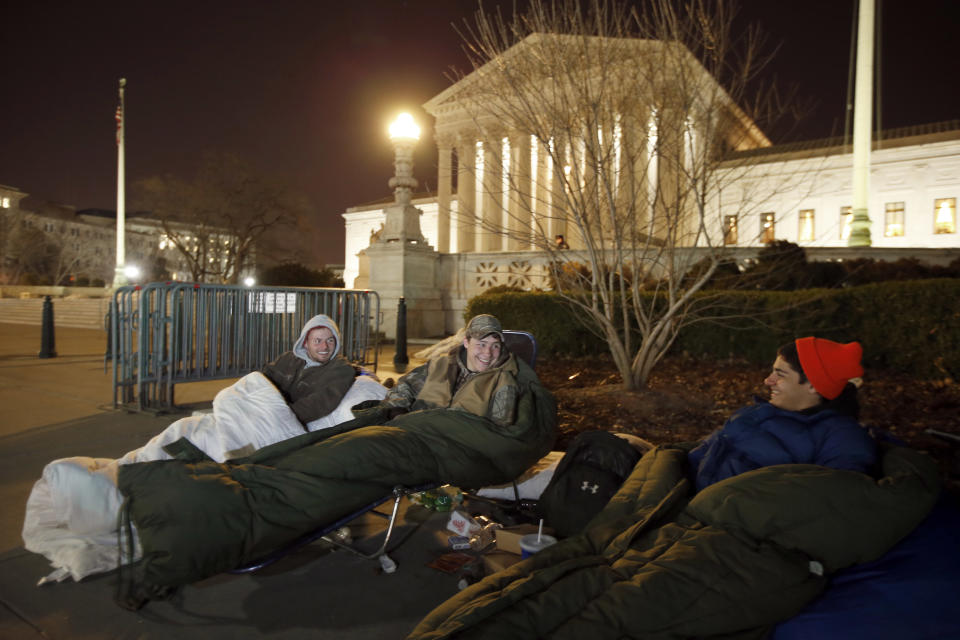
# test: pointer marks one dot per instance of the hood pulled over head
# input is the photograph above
(299, 347)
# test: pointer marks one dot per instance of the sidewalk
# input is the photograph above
(62, 407)
(36, 392)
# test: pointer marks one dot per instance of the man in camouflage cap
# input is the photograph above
(478, 376)
(483, 340)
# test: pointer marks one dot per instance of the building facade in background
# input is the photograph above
(497, 191)
(49, 243)
(915, 191)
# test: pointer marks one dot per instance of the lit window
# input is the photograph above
(893, 223)
(945, 220)
(729, 229)
(806, 225)
(846, 219)
(766, 228)
(5, 203)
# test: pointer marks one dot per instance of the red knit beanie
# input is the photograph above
(829, 365)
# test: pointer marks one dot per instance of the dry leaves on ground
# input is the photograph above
(687, 399)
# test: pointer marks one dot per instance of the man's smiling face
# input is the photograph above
(786, 390)
(320, 344)
(483, 353)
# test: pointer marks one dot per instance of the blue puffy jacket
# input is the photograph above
(762, 435)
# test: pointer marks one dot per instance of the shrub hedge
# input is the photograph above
(911, 326)
(546, 315)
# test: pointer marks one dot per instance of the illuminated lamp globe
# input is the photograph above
(131, 271)
(249, 281)
(404, 128)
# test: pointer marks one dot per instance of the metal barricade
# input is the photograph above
(164, 334)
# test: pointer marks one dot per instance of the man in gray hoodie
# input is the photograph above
(313, 377)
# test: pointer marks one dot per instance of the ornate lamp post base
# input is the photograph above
(402, 266)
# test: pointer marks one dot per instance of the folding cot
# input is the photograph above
(524, 346)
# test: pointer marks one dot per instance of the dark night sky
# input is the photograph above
(306, 88)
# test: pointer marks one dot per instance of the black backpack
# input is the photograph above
(590, 472)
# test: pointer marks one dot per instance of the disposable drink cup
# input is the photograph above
(529, 544)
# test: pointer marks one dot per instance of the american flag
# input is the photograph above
(119, 118)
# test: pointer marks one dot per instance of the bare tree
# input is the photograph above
(616, 126)
(48, 249)
(216, 220)
(64, 256)
(67, 252)
(17, 244)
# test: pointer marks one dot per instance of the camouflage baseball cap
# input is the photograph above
(483, 325)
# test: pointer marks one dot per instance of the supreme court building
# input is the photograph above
(504, 190)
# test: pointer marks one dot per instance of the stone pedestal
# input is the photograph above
(409, 270)
(402, 224)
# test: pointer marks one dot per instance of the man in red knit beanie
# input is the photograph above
(811, 417)
(811, 370)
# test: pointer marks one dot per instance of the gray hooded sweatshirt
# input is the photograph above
(312, 389)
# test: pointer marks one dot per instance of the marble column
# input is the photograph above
(444, 184)
(543, 181)
(558, 220)
(521, 187)
(491, 215)
(466, 193)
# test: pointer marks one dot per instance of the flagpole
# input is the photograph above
(862, 110)
(119, 275)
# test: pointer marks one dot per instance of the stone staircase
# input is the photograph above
(81, 313)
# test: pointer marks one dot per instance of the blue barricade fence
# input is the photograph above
(164, 334)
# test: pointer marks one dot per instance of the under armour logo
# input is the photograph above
(586, 487)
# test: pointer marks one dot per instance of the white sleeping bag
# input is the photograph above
(71, 515)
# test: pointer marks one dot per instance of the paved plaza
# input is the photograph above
(62, 406)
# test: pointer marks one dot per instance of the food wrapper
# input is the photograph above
(461, 523)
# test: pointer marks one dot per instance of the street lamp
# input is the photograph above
(404, 128)
(402, 223)
(404, 134)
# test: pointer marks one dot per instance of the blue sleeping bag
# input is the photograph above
(912, 591)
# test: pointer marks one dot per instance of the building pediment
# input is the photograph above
(640, 74)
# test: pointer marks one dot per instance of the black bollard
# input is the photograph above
(400, 359)
(108, 325)
(48, 343)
